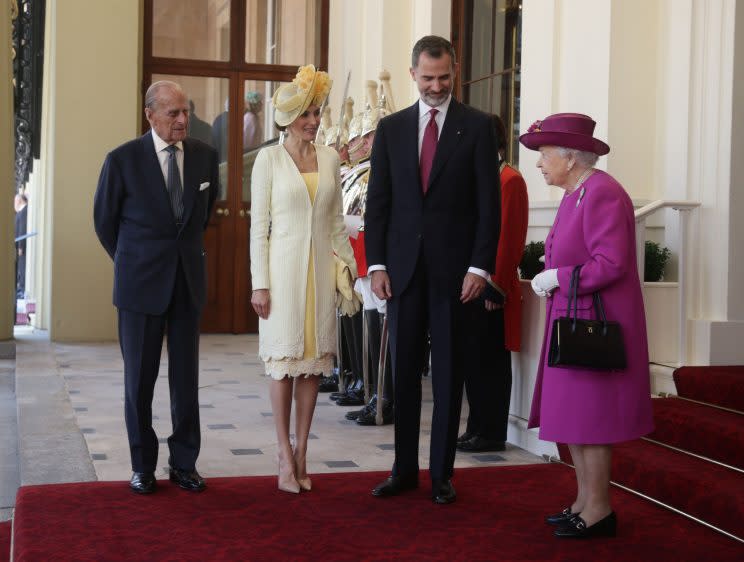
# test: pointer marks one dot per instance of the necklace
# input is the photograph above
(580, 181)
(582, 178)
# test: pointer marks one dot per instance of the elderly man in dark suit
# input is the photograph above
(151, 208)
(432, 228)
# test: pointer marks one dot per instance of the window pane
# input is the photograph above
(477, 94)
(282, 31)
(514, 146)
(208, 121)
(191, 29)
(258, 127)
(481, 40)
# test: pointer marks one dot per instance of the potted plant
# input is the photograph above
(531, 264)
(655, 262)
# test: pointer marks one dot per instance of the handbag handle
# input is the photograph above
(573, 290)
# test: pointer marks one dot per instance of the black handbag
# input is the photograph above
(586, 344)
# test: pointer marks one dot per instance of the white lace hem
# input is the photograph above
(279, 368)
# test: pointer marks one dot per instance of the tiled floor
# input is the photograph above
(237, 428)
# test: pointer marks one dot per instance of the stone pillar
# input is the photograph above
(92, 98)
(7, 187)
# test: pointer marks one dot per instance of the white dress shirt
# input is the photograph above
(423, 121)
(162, 154)
(424, 117)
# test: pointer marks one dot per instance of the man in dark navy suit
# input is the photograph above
(151, 208)
(431, 231)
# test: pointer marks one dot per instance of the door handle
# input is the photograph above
(223, 212)
(244, 213)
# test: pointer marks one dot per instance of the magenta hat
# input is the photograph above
(570, 130)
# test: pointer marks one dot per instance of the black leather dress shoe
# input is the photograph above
(354, 414)
(561, 518)
(369, 416)
(328, 384)
(467, 436)
(478, 444)
(142, 482)
(576, 528)
(352, 398)
(394, 485)
(443, 492)
(371, 406)
(187, 479)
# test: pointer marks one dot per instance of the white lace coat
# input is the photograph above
(283, 222)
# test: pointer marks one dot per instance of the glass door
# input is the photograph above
(230, 56)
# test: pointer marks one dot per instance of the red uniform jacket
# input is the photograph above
(514, 215)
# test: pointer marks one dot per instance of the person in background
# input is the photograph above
(198, 128)
(252, 128)
(595, 229)
(296, 228)
(488, 384)
(20, 204)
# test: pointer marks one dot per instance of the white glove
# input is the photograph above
(544, 282)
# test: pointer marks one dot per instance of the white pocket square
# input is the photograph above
(203, 186)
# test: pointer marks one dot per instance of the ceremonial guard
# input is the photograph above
(377, 371)
(352, 328)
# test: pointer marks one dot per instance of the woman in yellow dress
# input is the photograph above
(296, 228)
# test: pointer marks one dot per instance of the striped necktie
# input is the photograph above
(175, 189)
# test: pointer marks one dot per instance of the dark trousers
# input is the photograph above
(141, 340)
(488, 385)
(20, 270)
(419, 311)
(351, 329)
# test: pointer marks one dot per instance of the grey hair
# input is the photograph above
(151, 96)
(582, 157)
(434, 46)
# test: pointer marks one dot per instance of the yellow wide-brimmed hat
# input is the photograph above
(309, 87)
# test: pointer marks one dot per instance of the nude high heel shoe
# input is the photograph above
(301, 471)
(286, 478)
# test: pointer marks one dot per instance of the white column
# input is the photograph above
(7, 144)
(92, 98)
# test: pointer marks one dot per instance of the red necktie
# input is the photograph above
(428, 148)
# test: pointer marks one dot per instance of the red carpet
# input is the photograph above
(498, 516)
(710, 432)
(5, 528)
(716, 385)
(700, 488)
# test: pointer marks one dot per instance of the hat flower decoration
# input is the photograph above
(309, 87)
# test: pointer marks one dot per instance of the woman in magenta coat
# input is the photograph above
(594, 228)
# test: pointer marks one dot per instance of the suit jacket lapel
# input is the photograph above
(410, 141)
(190, 179)
(154, 173)
(448, 140)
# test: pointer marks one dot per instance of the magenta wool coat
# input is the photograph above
(595, 228)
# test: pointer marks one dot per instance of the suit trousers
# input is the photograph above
(488, 384)
(141, 341)
(418, 311)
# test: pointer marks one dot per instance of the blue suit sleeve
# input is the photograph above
(107, 204)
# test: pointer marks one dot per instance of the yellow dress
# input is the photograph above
(310, 364)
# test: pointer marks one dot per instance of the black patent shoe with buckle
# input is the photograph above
(577, 529)
(561, 518)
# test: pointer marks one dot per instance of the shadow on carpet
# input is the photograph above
(498, 516)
